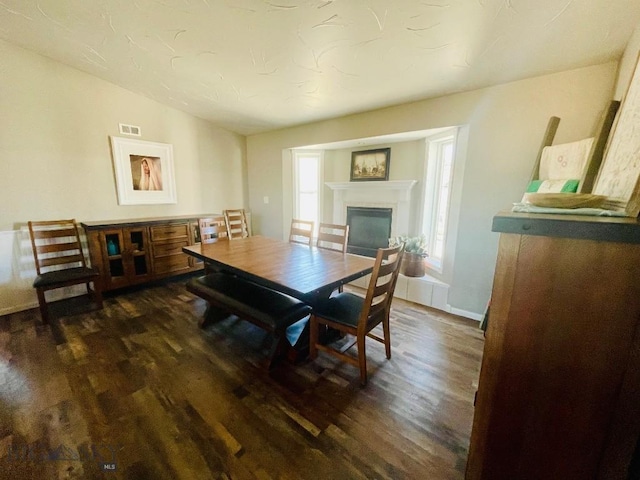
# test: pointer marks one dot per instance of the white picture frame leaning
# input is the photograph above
(619, 175)
(144, 172)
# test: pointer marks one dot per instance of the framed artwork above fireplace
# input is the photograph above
(370, 165)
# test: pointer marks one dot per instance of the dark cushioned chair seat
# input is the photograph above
(49, 279)
(274, 309)
(344, 308)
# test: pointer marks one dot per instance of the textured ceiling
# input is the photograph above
(258, 65)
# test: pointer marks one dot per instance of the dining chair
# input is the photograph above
(60, 261)
(356, 316)
(212, 228)
(236, 222)
(301, 231)
(333, 237)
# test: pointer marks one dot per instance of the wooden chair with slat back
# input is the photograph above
(212, 228)
(353, 315)
(236, 222)
(333, 237)
(60, 261)
(301, 231)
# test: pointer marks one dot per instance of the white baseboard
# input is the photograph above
(465, 313)
(17, 308)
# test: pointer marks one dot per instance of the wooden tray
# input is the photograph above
(565, 200)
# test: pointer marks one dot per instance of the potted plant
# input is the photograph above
(415, 251)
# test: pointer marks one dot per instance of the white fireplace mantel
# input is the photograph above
(397, 185)
(394, 194)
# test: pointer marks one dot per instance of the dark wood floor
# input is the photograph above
(139, 387)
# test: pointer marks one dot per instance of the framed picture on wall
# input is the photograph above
(370, 165)
(144, 171)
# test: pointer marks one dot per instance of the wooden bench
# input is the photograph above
(273, 311)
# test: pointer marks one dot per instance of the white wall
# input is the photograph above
(505, 126)
(55, 157)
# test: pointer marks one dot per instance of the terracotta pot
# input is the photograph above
(412, 265)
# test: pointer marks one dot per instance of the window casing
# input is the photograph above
(439, 169)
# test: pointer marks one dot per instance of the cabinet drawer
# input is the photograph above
(169, 232)
(172, 263)
(166, 249)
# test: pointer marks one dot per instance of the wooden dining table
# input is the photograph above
(306, 273)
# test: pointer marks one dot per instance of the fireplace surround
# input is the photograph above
(392, 194)
(369, 229)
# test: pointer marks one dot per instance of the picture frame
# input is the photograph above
(619, 174)
(368, 165)
(144, 171)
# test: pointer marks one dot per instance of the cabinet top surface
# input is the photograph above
(89, 225)
(609, 229)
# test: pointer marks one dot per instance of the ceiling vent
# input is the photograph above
(130, 130)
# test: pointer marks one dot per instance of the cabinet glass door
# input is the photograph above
(127, 256)
(115, 246)
(138, 241)
(137, 254)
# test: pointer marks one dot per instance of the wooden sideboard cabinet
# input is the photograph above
(128, 252)
(167, 241)
(559, 389)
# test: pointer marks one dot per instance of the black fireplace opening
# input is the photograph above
(369, 230)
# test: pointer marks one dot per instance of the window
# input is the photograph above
(307, 166)
(438, 182)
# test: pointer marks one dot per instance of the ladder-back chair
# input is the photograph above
(212, 228)
(60, 261)
(301, 231)
(236, 222)
(351, 314)
(333, 237)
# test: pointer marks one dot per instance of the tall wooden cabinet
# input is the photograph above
(559, 389)
(128, 252)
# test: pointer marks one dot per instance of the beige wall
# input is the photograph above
(406, 163)
(505, 126)
(54, 146)
(55, 156)
(628, 64)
